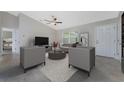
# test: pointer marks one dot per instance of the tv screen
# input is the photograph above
(41, 41)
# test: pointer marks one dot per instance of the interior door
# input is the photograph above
(106, 40)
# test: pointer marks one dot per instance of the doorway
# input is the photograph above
(7, 42)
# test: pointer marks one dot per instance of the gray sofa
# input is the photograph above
(65, 47)
(83, 58)
(31, 56)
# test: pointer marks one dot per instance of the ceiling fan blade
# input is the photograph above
(48, 20)
(59, 22)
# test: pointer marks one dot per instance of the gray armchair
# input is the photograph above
(83, 58)
(31, 56)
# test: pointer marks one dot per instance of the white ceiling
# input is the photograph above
(69, 18)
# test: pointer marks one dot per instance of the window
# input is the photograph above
(66, 37)
(73, 37)
(70, 37)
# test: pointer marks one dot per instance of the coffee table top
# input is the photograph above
(56, 51)
(57, 54)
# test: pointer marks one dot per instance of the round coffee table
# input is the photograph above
(56, 55)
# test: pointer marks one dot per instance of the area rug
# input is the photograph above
(58, 70)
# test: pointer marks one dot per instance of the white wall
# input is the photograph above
(91, 29)
(29, 28)
(25, 29)
(9, 21)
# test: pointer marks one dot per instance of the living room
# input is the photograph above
(61, 46)
(62, 37)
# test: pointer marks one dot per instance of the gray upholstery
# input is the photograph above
(31, 56)
(65, 47)
(83, 58)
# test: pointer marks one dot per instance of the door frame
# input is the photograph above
(7, 30)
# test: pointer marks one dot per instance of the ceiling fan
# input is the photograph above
(53, 21)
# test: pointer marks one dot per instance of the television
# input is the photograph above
(39, 41)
